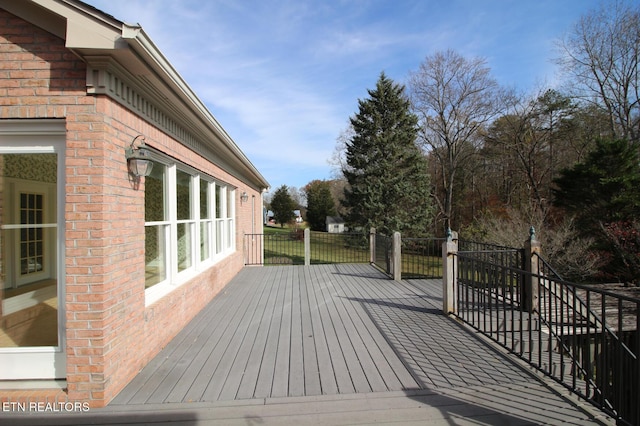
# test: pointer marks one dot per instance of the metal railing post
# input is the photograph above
(449, 282)
(396, 256)
(530, 288)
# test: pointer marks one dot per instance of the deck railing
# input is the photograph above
(422, 257)
(601, 330)
(290, 248)
(273, 249)
(586, 338)
(345, 247)
(382, 251)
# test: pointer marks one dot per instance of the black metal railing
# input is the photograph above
(488, 298)
(289, 248)
(382, 252)
(501, 255)
(274, 249)
(601, 331)
(345, 247)
(585, 338)
(422, 257)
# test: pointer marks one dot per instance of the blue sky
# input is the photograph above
(284, 76)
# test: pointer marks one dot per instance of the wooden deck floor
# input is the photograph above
(337, 344)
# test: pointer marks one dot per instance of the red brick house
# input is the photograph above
(123, 202)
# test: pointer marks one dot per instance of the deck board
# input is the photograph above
(309, 351)
(317, 333)
(213, 375)
(379, 364)
(229, 371)
(296, 354)
(195, 378)
(267, 368)
(256, 355)
(280, 381)
(343, 380)
(328, 384)
(179, 380)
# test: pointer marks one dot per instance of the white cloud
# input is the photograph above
(283, 76)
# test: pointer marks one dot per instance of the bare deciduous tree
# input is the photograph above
(572, 256)
(601, 55)
(454, 98)
(530, 140)
(338, 162)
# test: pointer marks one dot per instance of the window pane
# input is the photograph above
(230, 231)
(31, 241)
(204, 199)
(155, 254)
(205, 240)
(219, 235)
(184, 246)
(183, 194)
(230, 198)
(154, 194)
(218, 201)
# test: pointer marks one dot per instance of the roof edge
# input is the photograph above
(90, 32)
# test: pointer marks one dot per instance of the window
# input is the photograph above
(156, 225)
(206, 223)
(32, 240)
(231, 194)
(185, 222)
(220, 209)
(189, 224)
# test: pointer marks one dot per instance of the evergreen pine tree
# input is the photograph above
(605, 188)
(389, 187)
(603, 192)
(283, 206)
(320, 204)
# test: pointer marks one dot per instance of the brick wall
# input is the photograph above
(110, 334)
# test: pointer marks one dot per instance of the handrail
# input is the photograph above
(569, 337)
(473, 246)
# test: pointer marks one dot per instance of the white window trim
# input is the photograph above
(175, 279)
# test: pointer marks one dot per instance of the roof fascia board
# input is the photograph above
(86, 27)
(39, 16)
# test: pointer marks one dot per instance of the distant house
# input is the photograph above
(268, 216)
(123, 202)
(335, 224)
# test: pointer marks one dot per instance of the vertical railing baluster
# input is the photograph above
(635, 388)
(619, 364)
(604, 370)
(590, 355)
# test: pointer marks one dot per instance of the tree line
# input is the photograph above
(453, 149)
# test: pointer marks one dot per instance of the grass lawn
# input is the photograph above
(286, 246)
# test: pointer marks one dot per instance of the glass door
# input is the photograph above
(31, 285)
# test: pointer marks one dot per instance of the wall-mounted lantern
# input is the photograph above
(139, 159)
(244, 197)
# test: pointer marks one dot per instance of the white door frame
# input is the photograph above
(40, 137)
